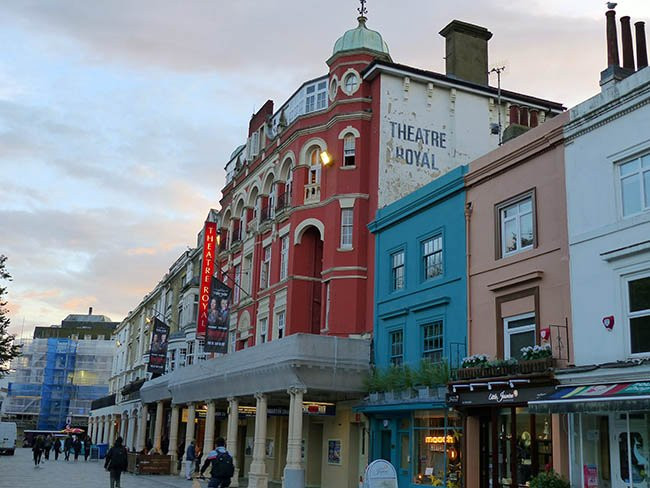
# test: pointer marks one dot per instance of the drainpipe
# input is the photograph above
(468, 214)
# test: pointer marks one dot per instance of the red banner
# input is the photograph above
(207, 269)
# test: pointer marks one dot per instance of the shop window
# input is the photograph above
(516, 225)
(437, 442)
(639, 314)
(432, 257)
(432, 341)
(349, 150)
(634, 181)
(519, 332)
(396, 339)
(397, 270)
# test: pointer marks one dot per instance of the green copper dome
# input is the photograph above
(360, 38)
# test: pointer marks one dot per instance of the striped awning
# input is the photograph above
(595, 398)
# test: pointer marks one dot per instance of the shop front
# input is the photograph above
(422, 441)
(609, 432)
(506, 443)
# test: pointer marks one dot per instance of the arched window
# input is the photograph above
(349, 150)
(314, 166)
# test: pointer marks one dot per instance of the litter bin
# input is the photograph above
(103, 449)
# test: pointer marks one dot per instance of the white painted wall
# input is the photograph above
(604, 130)
(462, 116)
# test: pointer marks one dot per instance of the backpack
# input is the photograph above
(222, 466)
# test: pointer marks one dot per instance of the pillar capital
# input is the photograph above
(260, 396)
(297, 390)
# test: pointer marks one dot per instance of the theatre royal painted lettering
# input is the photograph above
(417, 144)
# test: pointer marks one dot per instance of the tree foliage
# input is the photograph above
(8, 350)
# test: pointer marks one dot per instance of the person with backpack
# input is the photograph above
(116, 461)
(222, 466)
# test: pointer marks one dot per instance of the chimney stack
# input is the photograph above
(466, 51)
(641, 49)
(90, 310)
(626, 39)
(614, 72)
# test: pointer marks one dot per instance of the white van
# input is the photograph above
(8, 433)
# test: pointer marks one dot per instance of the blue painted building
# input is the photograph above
(420, 313)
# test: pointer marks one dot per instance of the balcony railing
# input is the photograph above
(503, 368)
(312, 193)
(266, 214)
(236, 235)
(283, 202)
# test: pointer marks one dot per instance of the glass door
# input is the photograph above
(630, 456)
(403, 463)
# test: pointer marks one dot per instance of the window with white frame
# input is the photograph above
(284, 257)
(237, 289)
(316, 97)
(280, 323)
(263, 329)
(432, 341)
(314, 166)
(638, 315)
(172, 360)
(517, 226)
(349, 150)
(321, 95)
(634, 178)
(351, 83)
(266, 267)
(518, 332)
(432, 257)
(397, 270)
(247, 272)
(396, 344)
(190, 352)
(232, 345)
(200, 351)
(182, 356)
(195, 308)
(347, 226)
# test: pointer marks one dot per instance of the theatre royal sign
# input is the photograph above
(426, 131)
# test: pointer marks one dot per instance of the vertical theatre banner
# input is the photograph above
(207, 270)
(158, 349)
(216, 339)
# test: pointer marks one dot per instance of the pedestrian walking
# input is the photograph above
(197, 458)
(67, 446)
(57, 448)
(221, 465)
(87, 445)
(76, 445)
(48, 446)
(115, 462)
(190, 457)
(37, 449)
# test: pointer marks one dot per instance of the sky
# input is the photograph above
(118, 117)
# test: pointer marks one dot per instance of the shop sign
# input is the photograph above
(482, 396)
(207, 268)
(380, 474)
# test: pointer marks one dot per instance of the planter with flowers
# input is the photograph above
(536, 359)
(473, 366)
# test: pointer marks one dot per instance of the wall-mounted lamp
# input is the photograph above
(118, 343)
(326, 158)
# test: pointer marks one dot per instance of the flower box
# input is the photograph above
(375, 397)
(407, 394)
(390, 396)
(428, 392)
(536, 365)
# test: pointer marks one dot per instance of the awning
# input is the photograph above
(595, 398)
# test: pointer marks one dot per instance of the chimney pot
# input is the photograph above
(523, 116)
(641, 49)
(534, 117)
(626, 39)
(466, 51)
(514, 114)
(90, 310)
(612, 42)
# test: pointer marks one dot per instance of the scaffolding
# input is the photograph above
(56, 379)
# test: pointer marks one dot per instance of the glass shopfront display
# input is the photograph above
(437, 441)
(610, 450)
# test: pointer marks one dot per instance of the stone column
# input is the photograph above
(142, 428)
(90, 427)
(130, 431)
(231, 441)
(173, 438)
(104, 430)
(123, 430)
(257, 476)
(294, 472)
(111, 430)
(96, 431)
(191, 417)
(157, 433)
(208, 439)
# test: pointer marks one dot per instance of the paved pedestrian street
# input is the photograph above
(18, 471)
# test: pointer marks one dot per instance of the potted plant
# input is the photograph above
(391, 382)
(405, 382)
(430, 376)
(549, 479)
(501, 367)
(471, 366)
(373, 384)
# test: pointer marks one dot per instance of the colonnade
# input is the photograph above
(104, 429)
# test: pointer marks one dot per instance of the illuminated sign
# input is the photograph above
(207, 269)
(432, 439)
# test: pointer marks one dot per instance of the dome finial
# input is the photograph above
(363, 10)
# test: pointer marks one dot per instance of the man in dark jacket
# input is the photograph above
(76, 445)
(48, 446)
(37, 449)
(67, 446)
(57, 448)
(116, 461)
(189, 460)
(87, 444)
(221, 466)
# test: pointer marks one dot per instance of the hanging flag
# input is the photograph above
(218, 322)
(207, 269)
(158, 349)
